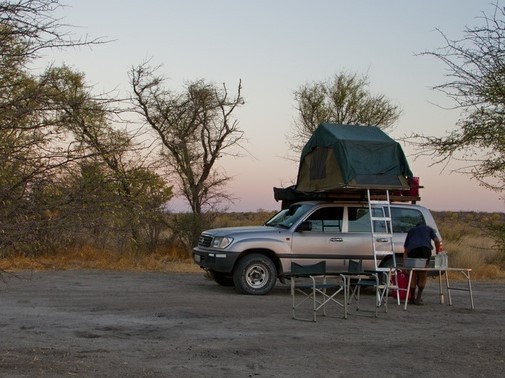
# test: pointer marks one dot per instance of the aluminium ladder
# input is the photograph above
(381, 226)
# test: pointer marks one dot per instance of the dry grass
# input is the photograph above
(474, 253)
(468, 244)
(94, 259)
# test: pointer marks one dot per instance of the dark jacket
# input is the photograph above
(420, 235)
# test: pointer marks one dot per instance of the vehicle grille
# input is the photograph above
(204, 241)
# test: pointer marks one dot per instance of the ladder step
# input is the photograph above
(384, 253)
(381, 269)
(388, 235)
(375, 202)
(383, 219)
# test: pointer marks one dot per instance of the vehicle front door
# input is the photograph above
(321, 239)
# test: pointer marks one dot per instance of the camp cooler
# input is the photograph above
(409, 262)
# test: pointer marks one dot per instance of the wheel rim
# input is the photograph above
(257, 276)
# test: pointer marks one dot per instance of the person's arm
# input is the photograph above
(438, 245)
(436, 240)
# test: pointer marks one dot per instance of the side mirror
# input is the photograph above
(304, 226)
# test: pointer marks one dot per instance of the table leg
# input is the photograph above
(467, 276)
(448, 287)
(440, 288)
(408, 290)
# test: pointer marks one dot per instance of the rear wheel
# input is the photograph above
(255, 274)
(388, 263)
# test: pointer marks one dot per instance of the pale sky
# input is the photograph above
(274, 46)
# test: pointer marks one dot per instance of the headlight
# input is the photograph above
(221, 242)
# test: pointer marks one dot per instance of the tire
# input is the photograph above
(222, 279)
(388, 263)
(254, 274)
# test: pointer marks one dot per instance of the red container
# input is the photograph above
(414, 187)
(403, 281)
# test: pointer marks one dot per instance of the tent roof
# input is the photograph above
(331, 134)
(365, 156)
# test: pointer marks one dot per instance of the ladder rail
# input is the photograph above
(387, 232)
(384, 236)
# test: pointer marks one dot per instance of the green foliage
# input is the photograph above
(68, 178)
(117, 210)
(187, 227)
(344, 99)
(476, 82)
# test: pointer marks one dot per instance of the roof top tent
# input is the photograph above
(343, 161)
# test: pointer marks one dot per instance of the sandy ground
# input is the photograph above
(97, 324)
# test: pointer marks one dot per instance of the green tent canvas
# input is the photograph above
(340, 157)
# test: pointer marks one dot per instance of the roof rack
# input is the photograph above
(290, 195)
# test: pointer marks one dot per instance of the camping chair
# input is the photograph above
(358, 278)
(313, 284)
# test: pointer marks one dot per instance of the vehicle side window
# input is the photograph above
(405, 219)
(358, 219)
(327, 219)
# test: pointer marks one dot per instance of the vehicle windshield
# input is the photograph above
(287, 217)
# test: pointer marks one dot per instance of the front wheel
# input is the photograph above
(255, 274)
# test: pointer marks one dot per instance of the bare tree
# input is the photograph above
(344, 99)
(28, 27)
(195, 128)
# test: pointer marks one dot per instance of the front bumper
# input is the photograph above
(217, 261)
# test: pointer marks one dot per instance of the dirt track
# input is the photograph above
(75, 323)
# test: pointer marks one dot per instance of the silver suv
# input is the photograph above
(253, 258)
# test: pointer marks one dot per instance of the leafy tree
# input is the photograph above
(344, 99)
(116, 209)
(55, 139)
(476, 83)
(195, 128)
(29, 159)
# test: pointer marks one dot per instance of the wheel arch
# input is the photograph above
(262, 251)
(388, 261)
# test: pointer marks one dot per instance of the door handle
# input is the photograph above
(382, 240)
(336, 240)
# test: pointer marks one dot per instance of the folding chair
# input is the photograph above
(313, 284)
(358, 278)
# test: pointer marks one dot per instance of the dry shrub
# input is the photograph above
(465, 239)
(242, 219)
